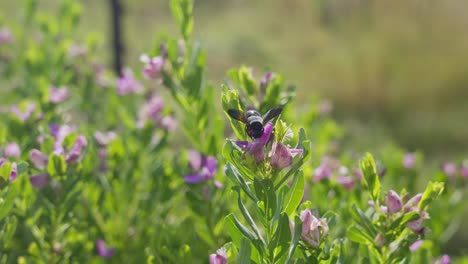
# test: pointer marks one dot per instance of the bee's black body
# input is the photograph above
(253, 120)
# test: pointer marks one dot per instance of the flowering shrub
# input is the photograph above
(96, 167)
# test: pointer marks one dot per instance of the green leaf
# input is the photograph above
(433, 190)
(245, 251)
(371, 178)
(235, 228)
(272, 93)
(402, 220)
(5, 171)
(56, 165)
(281, 238)
(194, 75)
(22, 167)
(294, 196)
(233, 174)
(246, 80)
(357, 235)
(248, 218)
(364, 221)
(295, 239)
(182, 12)
(7, 198)
(230, 100)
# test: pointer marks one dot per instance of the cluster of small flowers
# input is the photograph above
(331, 166)
(41, 160)
(203, 168)
(279, 156)
(452, 170)
(394, 205)
(11, 151)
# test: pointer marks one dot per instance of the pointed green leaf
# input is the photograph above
(294, 196)
(245, 251)
(371, 177)
(433, 190)
(357, 235)
(56, 165)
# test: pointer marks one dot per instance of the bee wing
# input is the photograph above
(236, 114)
(272, 113)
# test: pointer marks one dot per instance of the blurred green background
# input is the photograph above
(397, 71)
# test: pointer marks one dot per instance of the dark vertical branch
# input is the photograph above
(117, 42)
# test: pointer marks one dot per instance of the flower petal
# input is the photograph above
(193, 178)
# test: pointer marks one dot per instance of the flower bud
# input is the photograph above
(38, 159)
(412, 203)
(313, 229)
(393, 202)
(14, 171)
(445, 259)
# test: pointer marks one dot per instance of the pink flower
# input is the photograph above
(409, 160)
(416, 245)
(282, 156)
(220, 257)
(153, 66)
(127, 84)
(450, 169)
(57, 96)
(322, 172)
(12, 150)
(5, 36)
(23, 116)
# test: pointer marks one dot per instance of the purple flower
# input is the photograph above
(38, 159)
(39, 181)
(75, 152)
(220, 257)
(14, 171)
(103, 250)
(12, 150)
(417, 225)
(127, 84)
(153, 110)
(313, 229)
(153, 66)
(23, 116)
(204, 167)
(393, 202)
(58, 95)
(416, 245)
(409, 160)
(256, 148)
(5, 36)
(450, 169)
(322, 172)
